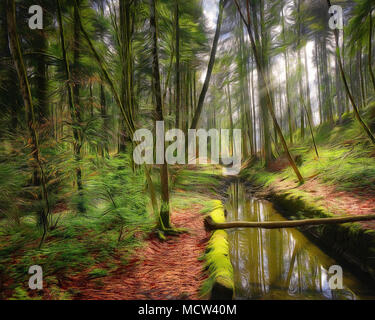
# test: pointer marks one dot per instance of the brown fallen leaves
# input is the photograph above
(160, 270)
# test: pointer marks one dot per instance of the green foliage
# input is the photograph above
(21, 294)
(98, 273)
(116, 206)
(346, 158)
(197, 180)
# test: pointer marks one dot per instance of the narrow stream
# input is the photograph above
(280, 263)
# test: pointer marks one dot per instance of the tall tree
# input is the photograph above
(347, 89)
(164, 216)
(178, 75)
(24, 85)
(211, 63)
(264, 84)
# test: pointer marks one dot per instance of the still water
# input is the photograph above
(280, 263)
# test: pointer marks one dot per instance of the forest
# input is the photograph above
(186, 150)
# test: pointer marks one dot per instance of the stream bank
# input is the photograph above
(350, 243)
(282, 263)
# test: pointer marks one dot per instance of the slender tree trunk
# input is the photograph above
(15, 50)
(370, 50)
(286, 62)
(210, 66)
(264, 83)
(178, 75)
(362, 81)
(308, 97)
(73, 97)
(41, 83)
(311, 129)
(126, 94)
(318, 78)
(326, 82)
(300, 77)
(164, 217)
(166, 86)
(348, 92)
(105, 126)
(230, 118)
(253, 103)
(76, 75)
(301, 97)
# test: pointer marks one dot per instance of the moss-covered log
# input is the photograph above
(212, 225)
(220, 284)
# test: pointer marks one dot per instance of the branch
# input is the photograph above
(241, 14)
(211, 225)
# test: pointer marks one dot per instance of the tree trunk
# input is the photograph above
(164, 215)
(15, 49)
(230, 118)
(210, 66)
(348, 92)
(318, 78)
(286, 62)
(73, 97)
(264, 83)
(211, 225)
(127, 95)
(370, 50)
(178, 75)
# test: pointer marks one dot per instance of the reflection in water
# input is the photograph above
(280, 263)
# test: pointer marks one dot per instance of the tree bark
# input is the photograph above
(210, 67)
(211, 225)
(73, 98)
(370, 50)
(164, 215)
(178, 75)
(15, 49)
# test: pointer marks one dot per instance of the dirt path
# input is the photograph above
(159, 270)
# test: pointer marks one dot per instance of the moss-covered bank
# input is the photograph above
(220, 283)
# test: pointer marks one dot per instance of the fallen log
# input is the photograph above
(211, 225)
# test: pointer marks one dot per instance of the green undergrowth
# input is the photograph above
(201, 180)
(219, 283)
(114, 223)
(194, 186)
(346, 156)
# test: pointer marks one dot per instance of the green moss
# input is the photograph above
(217, 211)
(217, 260)
(97, 273)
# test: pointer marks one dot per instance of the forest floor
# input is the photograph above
(159, 270)
(359, 201)
(86, 257)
